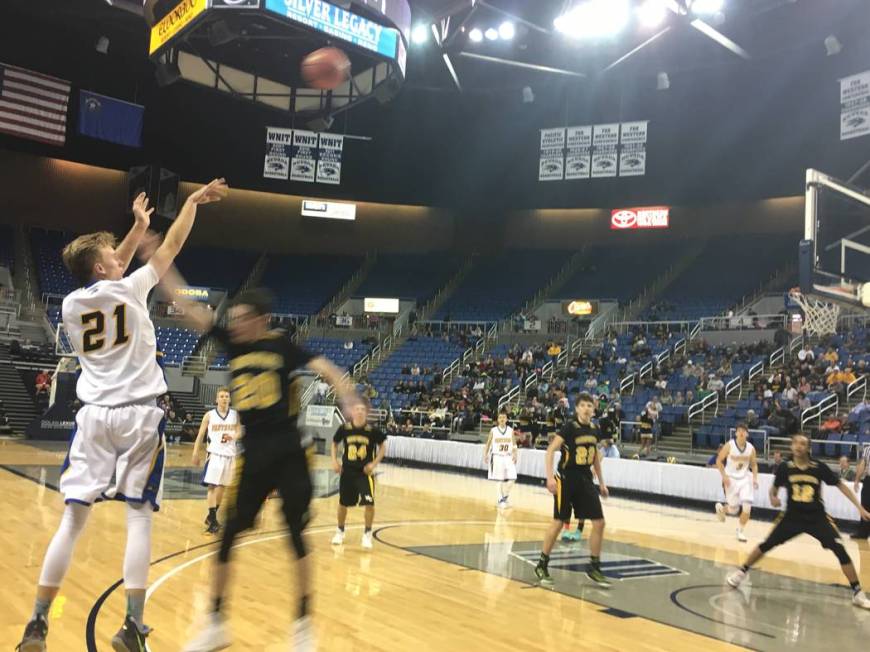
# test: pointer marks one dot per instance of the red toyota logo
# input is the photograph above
(624, 219)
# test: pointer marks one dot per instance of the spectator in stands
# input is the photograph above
(845, 470)
(804, 386)
(715, 384)
(609, 449)
(777, 462)
(647, 424)
(790, 393)
(806, 355)
(831, 424)
(321, 389)
(415, 369)
(752, 420)
(831, 356)
(43, 382)
(711, 461)
(407, 429)
(188, 428)
(348, 346)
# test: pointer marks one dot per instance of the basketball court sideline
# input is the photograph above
(447, 567)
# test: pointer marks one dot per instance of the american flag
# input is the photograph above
(33, 105)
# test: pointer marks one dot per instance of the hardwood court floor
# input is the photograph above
(438, 578)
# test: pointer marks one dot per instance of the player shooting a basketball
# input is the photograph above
(117, 448)
(261, 361)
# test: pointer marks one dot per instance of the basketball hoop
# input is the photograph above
(820, 317)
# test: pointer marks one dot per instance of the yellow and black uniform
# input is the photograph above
(805, 511)
(574, 486)
(360, 444)
(273, 456)
(646, 426)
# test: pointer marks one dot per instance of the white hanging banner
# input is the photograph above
(303, 165)
(605, 142)
(329, 159)
(632, 156)
(855, 106)
(551, 166)
(278, 144)
(578, 157)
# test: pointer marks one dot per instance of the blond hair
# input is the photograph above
(82, 254)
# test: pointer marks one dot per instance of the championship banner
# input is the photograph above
(278, 144)
(855, 106)
(605, 140)
(329, 160)
(632, 157)
(303, 165)
(578, 158)
(552, 163)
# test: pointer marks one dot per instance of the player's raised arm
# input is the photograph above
(334, 376)
(130, 243)
(180, 229)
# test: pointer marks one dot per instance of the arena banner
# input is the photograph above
(855, 106)
(329, 159)
(644, 217)
(632, 156)
(194, 293)
(171, 25)
(578, 157)
(551, 166)
(303, 165)
(605, 143)
(278, 144)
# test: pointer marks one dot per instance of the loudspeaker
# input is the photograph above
(160, 185)
(805, 266)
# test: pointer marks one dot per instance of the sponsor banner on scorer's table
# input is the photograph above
(176, 20)
(646, 217)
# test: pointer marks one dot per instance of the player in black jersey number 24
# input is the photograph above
(364, 448)
(805, 514)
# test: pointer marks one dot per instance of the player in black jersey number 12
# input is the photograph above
(573, 487)
(805, 514)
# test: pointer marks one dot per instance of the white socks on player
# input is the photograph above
(504, 490)
(137, 556)
(60, 550)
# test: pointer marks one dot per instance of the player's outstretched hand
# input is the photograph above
(140, 209)
(551, 486)
(214, 191)
(197, 458)
(368, 469)
(604, 491)
(775, 501)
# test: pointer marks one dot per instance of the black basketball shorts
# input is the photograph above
(788, 526)
(578, 492)
(356, 488)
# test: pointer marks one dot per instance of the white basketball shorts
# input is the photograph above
(218, 470)
(116, 453)
(740, 492)
(502, 467)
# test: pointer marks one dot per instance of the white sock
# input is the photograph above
(137, 556)
(506, 488)
(59, 554)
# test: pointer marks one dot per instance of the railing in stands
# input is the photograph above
(451, 369)
(512, 393)
(330, 395)
(755, 370)
(492, 333)
(734, 385)
(777, 357)
(855, 446)
(661, 357)
(469, 352)
(859, 386)
(361, 366)
(796, 344)
(696, 330)
(830, 402)
(548, 370)
(645, 370)
(530, 381)
(626, 385)
(680, 346)
(701, 407)
(562, 358)
(480, 347)
(576, 346)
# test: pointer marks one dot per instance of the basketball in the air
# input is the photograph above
(325, 68)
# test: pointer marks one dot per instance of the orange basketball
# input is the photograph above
(325, 68)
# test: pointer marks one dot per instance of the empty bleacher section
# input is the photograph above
(727, 269)
(499, 285)
(408, 276)
(337, 350)
(619, 273)
(215, 268)
(303, 285)
(53, 277)
(176, 344)
(428, 353)
(7, 248)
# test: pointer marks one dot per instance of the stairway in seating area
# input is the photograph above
(16, 400)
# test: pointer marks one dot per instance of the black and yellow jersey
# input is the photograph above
(580, 446)
(359, 444)
(804, 485)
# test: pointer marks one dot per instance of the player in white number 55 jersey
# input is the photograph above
(739, 468)
(116, 452)
(222, 427)
(503, 461)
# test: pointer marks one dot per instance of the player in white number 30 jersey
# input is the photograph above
(222, 427)
(503, 461)
(739, 468)
(116, 452)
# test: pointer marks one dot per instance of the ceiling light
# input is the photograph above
(594, 18)
(420, 34)
(833, 45)
(707, 7)
(663, 81)
(652, 13)
(475, 35)
(507, 30)
(491, 34)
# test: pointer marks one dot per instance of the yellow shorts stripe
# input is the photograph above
(372, 485)
(558, 493)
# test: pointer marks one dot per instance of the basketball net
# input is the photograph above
(820, 317)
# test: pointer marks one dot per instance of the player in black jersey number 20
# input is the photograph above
(802, 477)
(574, 488)
(364, 448)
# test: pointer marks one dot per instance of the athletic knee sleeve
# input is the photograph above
(137, 556)
(60, 550)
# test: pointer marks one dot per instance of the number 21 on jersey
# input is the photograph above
(93, 338)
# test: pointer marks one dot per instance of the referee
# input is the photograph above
(863, 530)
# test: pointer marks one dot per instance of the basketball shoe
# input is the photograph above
(34, 636)
(129, 638)
(212, 636)
(303, 636)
